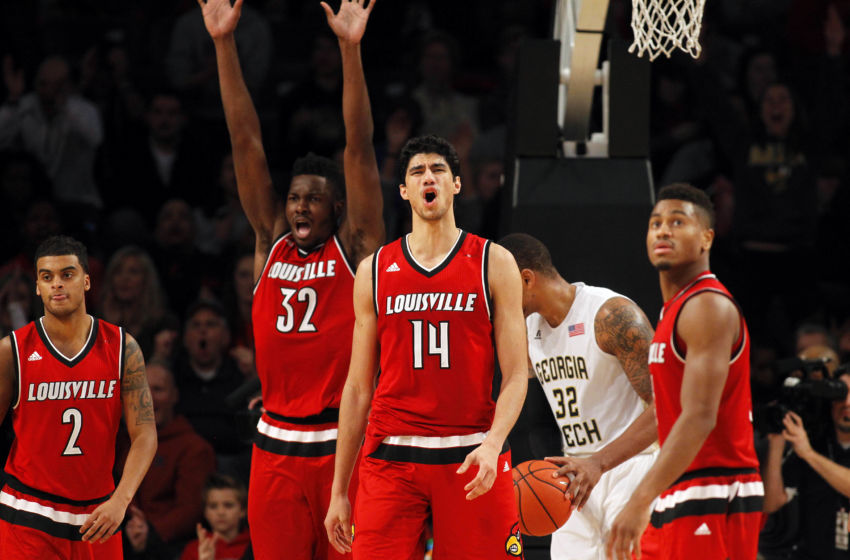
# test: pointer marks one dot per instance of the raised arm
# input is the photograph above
(362, 230)
(511, 348)
(354, 407)
(623, 331)
(139, 419)
(708, 324)
(263, 209)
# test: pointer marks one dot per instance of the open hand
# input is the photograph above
(220, 17)
(486, 458)
(349, 23)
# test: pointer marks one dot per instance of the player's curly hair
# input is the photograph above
(60, 245)
(688, 193)
(311, 164)
(429, 144)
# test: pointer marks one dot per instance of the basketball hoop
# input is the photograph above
(661, 26)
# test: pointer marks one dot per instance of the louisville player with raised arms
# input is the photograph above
(302, 310)
(587, 346)
(68, 378)
(709, 491)
(429, 309)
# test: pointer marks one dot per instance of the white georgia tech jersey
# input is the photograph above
(590, 395)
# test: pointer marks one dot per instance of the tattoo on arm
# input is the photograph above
(134, 385)
(624, 331)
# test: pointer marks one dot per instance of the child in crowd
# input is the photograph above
(225, 506)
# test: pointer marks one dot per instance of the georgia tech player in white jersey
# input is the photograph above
(588, 348)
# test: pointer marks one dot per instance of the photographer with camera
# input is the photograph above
(817, 473)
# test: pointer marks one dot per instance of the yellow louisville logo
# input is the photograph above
(513, 545)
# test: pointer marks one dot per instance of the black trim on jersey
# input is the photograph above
(267, 261)
(375, 280)
(742, 338)
(19, 486)
(448, 259)
(295, 448)
(342, 251)
(327, 416)
(123, 353)
(712, 472)
(485, 271)
(712, 506)
(426, 455)
(16, 359)
(95, 325)
(40, 523)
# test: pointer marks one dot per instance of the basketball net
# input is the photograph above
(661, 26)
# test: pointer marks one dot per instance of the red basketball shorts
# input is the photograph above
(37, 526)
(402, 487)
(711, 514)
(292, 470)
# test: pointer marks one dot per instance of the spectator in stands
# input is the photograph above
(182, 267)
(225, 536)
(131, 296)
(167, 500)
(62, 130)
(310, 118)
(160, 162)
(206, 375)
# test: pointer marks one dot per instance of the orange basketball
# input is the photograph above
(543, 507)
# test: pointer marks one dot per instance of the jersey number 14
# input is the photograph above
(438, 342)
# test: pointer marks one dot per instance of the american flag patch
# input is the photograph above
(576, 329)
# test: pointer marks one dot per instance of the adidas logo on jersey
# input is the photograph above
(35, 356)
(506, 468)
(393, 268)
(702, 530)
(537, 336)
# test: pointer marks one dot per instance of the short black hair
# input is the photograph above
(59, 245)
(429, 144)
(688, 193)
(218, 481)
(529, 252)
(311, 164)
(206, 304)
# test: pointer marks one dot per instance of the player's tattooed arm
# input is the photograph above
(623, 330)
(138, 405)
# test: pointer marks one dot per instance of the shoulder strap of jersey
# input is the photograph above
(737, 348)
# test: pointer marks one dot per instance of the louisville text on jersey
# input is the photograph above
(656, 352)
(289, 272)
(431, 301)
(68, 390)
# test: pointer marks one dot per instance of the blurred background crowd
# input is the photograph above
(112, 130)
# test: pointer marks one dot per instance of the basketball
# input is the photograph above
(540, 498)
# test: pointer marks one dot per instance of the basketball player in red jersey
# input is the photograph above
(709, 492)
(67, 378)
(302, 312)
(429, 308)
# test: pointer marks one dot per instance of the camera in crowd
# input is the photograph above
(807, 388)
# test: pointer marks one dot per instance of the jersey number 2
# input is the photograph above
(74, 417)
(286, 321)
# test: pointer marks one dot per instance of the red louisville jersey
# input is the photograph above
(436, 342)
(67, 412)
(730, 443)
(303, 316)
